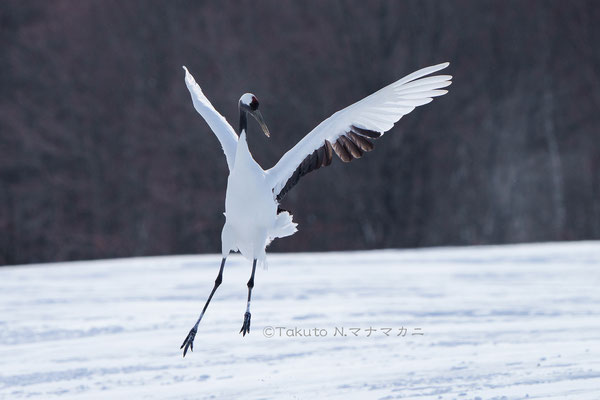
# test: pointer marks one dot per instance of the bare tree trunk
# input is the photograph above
(556, 173)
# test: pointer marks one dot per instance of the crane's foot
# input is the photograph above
(189, 341)
(246, 327)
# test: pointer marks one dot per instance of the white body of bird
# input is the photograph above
(251, 219)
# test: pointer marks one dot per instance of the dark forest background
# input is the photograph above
(103, 155)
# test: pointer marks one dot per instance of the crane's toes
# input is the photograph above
(246, 327)
(189, 341)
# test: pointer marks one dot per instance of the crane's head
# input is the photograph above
(249, 105)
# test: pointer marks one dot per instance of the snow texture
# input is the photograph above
(501, 322)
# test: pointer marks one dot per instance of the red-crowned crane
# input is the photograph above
(253, 218)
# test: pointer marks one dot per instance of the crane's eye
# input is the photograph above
(254, 104)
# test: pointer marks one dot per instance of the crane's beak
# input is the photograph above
(259, 118)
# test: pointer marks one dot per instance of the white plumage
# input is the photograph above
(253, 194)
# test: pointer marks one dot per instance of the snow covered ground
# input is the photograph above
(505, 322)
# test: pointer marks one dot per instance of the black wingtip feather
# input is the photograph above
(363, 143)
(365, 132)
(351, 147)
(341, 151)
(328, 153)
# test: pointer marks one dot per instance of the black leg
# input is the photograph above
(246, 326)
(189, 340)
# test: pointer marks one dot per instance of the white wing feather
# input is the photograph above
(216, 121)
(377, 112)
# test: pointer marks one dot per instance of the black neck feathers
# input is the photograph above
(243, 121)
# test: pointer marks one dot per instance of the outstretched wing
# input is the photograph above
(216, 121)
(349, 132)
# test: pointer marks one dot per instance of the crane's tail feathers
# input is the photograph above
(284, 226)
